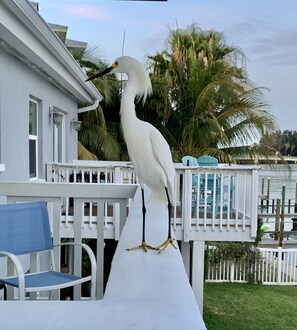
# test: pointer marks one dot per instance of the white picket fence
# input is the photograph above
(277, 266)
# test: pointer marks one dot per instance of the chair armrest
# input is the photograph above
(89, 252)
(20, 272)
(93, 264)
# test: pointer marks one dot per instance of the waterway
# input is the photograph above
(279, 175)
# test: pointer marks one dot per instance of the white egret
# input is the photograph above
(147, 148)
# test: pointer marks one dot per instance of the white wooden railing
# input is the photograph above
(223, 208)
(277, 266)
(140, 293)
(87, 205)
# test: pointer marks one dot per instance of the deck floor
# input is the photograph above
(144, 290)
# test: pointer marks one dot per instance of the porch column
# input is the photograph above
(185, 251)
(198, 249)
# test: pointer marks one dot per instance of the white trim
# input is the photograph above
(30, 38)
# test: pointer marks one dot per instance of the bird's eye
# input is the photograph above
(116, 63)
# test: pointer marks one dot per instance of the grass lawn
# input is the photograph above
(246, 306)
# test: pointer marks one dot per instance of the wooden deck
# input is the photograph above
(144, 290)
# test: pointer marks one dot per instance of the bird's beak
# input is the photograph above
(100, 74)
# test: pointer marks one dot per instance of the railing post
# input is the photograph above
(116, 207)
(120, 215)
(49, 171)
(198, 249)
(262, 194)
(187, 203)
(78, 219)
(117, 175)
(10, 272)
(100, 250)
(56, 223)
(268, 195)
(34, 268)
(254, 203)
(282, 218)
(277, 217)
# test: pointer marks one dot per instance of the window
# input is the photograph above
(33, 139)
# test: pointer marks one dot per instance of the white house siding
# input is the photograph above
(18, 83)
(34, 63)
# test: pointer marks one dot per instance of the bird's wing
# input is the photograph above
(163, 156)
(160, 147)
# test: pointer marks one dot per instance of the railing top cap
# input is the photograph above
(80, 165)
(61, 189)
(220, 167)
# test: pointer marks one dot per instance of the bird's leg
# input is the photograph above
(169, 240)
(143, 244)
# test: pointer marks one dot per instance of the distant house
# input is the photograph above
(42, 90)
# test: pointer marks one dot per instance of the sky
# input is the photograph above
(265, 30)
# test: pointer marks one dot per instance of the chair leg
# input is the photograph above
(3, 286)
(93, 291)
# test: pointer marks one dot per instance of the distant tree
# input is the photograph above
(284, 142)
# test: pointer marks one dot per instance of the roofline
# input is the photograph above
(33, 40)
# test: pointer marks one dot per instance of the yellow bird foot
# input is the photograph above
(142, 246)
(164, 245)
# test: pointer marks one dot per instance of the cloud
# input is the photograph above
(90, 12)
(279, 47)
(265, 41)
(247, 27)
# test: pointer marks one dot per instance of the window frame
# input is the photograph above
(33, 137)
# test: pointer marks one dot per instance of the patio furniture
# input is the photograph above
(207, 161)
(25, 230)
(192, 161)
(216, 192)
(189, 161)
(209, 187)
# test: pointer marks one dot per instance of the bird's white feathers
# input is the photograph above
(136, 72)
(147, 148)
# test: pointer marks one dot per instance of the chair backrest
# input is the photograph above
(207, 161)
(24, 228)
(189, 161)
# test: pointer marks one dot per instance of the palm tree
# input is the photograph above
(211, 106)
(99, 136)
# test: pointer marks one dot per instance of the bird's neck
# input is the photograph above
(127, 110)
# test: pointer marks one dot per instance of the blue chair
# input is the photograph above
(207, 161)
(192, 161)
(209, 186)
(189, 161)
(25, 229)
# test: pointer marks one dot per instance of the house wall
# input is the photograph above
(18, 82)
